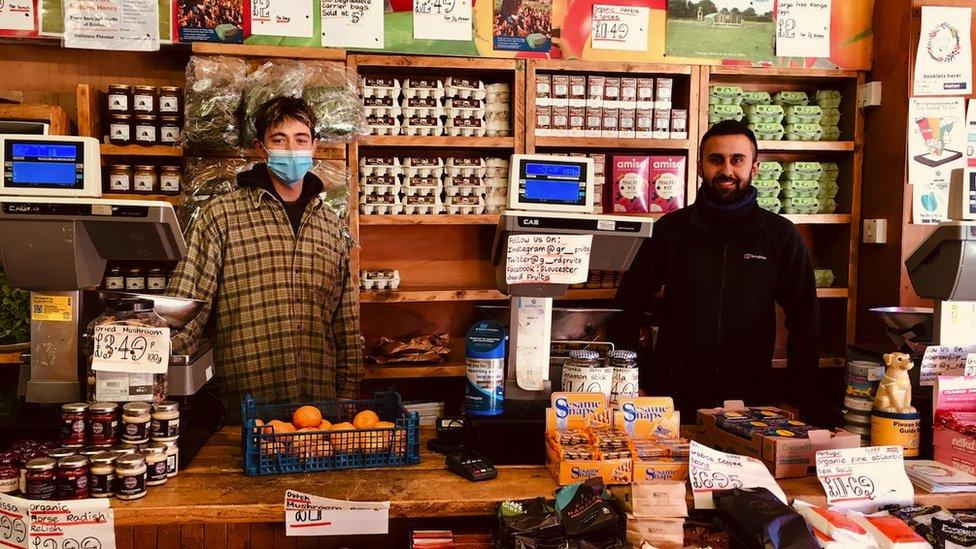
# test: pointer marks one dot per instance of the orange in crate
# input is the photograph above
(307, 416)
(365, 419)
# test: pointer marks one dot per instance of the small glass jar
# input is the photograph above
(170, 179)
(124, 449)
(73, 477)
(22, 462)
(170, 100)
(130, 477)
(144, 100)
(102, 472)
(135, 422)
(120, 178)
(172, 459)
(626, 376)
(114, 279)
(9, 474)
(120, 129)
(135, 279)
(156, 280)
(169, 130)
(119, 99)
(41, 479)
(165, 421)
(89, 451)
(146, 129)
(103, 423)
(156, 464)
(62, 452)
(145, 179)
(73, 422)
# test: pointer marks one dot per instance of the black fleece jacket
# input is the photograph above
(723, 272)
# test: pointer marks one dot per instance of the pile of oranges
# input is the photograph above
(322, 438)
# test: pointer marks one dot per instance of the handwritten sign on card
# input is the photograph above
(620, 27)
(548, 259)
(943, 360)
(352, 23)
(442, 20)
(803, 28)
(307, 515)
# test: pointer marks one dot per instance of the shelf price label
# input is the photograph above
(442, 20)
(864, 478)
(620, 27)
(711, 470)
(131, 349)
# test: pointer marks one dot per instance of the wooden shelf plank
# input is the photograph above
(401, 371)
(440, 142)
(832, 293)
(431, 62)
(587, 293)
(611, 143)
(174, 200)
(918, 4)
(819, 219)
(806, 146)
(334, 151)
(243, 50)
(611, 66)
(434, 294)
(435, 219)
(791, 72)
(139, 150)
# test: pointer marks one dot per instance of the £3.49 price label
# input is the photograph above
(864, 478)
(132, 349)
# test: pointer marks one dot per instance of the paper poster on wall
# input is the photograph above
(442, 20)
(803, 28)
(943, 62)
(620, 27)
(211, 21)
(352, 23)
(721, 29)
(281, 18)
(936, 142)
(18, 18)
(522, 25)
(131, 25)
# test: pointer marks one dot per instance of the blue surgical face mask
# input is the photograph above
(289, 166)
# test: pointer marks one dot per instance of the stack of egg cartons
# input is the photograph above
(765, 118)
(599, 177)
(801, 187)
(422, 185)
(381, 98)
(829, 102)
(767, 185)
(463, 185)
(498, 106)
(724, 103)
(802, 120)
(422, 110)
(379, 186)
(828, 187)
(496, 185)
(465, 107)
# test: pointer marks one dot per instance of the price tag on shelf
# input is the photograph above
(620, 27)
(14, 521)
(442, 20)
(711, 470)
(87, 523)
(132, 349)
(307, 515)
(864, 479)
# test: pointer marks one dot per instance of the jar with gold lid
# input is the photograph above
(118, 99)
(146, 129)
(144, 100)
(170, 100)
(170, 179)
(120, 129)
(120, 178)
(145, 180)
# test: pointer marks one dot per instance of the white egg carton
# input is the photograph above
(372, 165)
(497, 128)
(383, 125)
(464, 107)
(379, 185)
(496, 200)
(457, 131)
(421, 106)
(465, 205)
(423, 87)
(422, 186)
(464, 190)
(465, 167)
(495, 181)
(435, 170)
(463, 180)
(380, 106)
(498, 116)
(500, 87)
(384, 130)
(430, 204)
(497, 209)
(423, 126)
(380, 279)
(498, 94)
(380, 205)
(466, 126)
(495, 192)
(497, 168)
(464, 88)
(380, 87)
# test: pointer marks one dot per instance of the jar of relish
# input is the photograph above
(73, 477)
(42, 479)
(103, 423)
(73, 423)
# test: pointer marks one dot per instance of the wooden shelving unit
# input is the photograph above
(174, 200)
(806, 146)
(483, 219)
(441, 142)
(819, 219)
(433, 294)
(139, 150)
(611, 143)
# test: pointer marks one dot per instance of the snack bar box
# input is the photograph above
(954, 404)
(784, 456)
(954, 449)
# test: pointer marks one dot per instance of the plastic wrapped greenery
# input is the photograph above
(14, 313)
(332, 93)
(280, 78)
(213, 99)
(207, 178)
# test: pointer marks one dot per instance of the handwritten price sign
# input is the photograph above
(716, 480)
(711, 470)
(442, 19)
(132, 349)
(307, 515)
(620, 27)
(864, 478)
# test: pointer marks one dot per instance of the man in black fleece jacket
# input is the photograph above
(724, 263)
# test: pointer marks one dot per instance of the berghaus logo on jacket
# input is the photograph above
(754, 256)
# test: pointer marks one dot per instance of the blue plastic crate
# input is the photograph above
(267, 452)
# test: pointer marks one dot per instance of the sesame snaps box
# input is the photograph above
(643, 417)
(630, 176)
(666, 191)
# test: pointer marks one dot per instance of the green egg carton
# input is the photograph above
(769, 169)
(824, 278)
(803, 170)
(828, 99)
(756, 98)
(791, 98)
(830, 171)
(771, 204)
(724, 95)
(803, 132)
(803, 114)
(717, 113)
(831, 117)
(766, 188)
(830, 133)
(828, 191)
(805, 205)
(800, 189)
(827, 206)
(767, 131)
(764, 113)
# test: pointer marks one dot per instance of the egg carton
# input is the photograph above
(786, 98)
(828, 191)
(801, 193)
(719, 94)
(465, 205)
(496, 192)
(422, 186)
(498, 116)
(415, 166)
(803, 170)
(384, 130)
(425, 130)
(466, 130)
(464, 190)
(824, 278)
(769, 169)
(497, 94)
(421, 107)
(498, 129)
(771, 204)
(764, 113)
(830, 171)
(421, 205)
(378, 111)
(756, 98)
(801, 205)
(380, 279)
(465, 88)
(828, 99)
(827, 206)
(766, 188)
(372, 165)
(496, 209)
(495, 182)
(493, 201)
(803, 114)
(804, 132)
(423, 87)
(830, 133)
(718, 113)
(465, 167)
(465, 107)
(831, 117)
(380, 205)
(380, 87)
(379, 185)
(767, 131)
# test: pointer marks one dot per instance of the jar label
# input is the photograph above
(169, 183)
(169, 103)
(144, 183)
(165, 428)
(135, 432)
(119, 182)
(119, 132)
(114, 283)
(45, 488)
(171, 465)
(118, 102)
(145, 133)
(73, 431)
(169, 134)
(130, 485)
(103, 432)
(9, 485)
(157, 471)
(156, 282)
(73, 485)
(582, 379)
(625, 383)
(143, 103)
(102, 484)
(135, 284)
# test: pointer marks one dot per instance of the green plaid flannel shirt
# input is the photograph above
(284, 307)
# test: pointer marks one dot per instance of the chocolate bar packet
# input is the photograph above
(759, 519)
(953, 535)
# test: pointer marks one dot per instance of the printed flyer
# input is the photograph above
(522, 25)
(936, 143)
(943, 63)
(721, 29)
(226, 21)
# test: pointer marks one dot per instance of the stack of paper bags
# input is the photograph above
(655, 511)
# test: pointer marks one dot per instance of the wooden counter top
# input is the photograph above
(214, 490)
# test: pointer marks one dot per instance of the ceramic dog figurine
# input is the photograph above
(895, 391)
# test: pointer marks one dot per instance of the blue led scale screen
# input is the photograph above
(562, 183)
(44, 165)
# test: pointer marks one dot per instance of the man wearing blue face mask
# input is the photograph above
(271, 263)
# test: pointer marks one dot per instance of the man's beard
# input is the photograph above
(721, 193)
